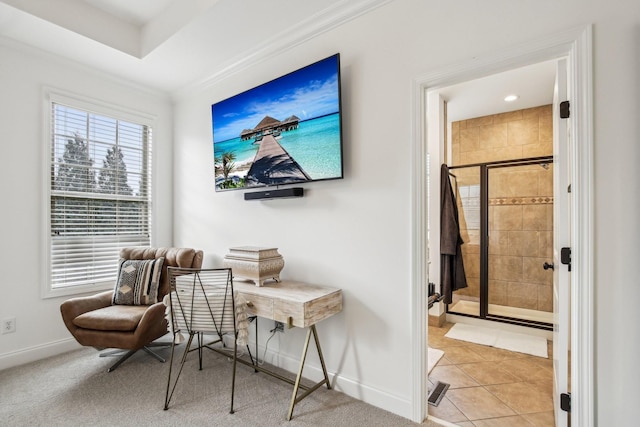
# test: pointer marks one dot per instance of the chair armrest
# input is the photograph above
(154, 312)
(153, 324)
(74, 307)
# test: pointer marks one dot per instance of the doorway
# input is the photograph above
(576, 45)
(506, 220)
(505, 206)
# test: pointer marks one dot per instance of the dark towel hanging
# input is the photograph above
(452, 276)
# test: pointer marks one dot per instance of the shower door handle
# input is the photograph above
(547, 266)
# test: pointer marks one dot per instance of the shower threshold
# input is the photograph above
(500, 312)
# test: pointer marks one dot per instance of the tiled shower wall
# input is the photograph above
(520, 206)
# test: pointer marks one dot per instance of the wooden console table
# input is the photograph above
(295, 304)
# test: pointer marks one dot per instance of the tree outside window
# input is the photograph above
(100, 194)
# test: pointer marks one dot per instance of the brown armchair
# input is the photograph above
(95, 321)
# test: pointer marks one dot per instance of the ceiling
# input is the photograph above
(171, 45)
(136, 12)
(532, 84)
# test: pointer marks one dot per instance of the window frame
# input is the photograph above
(54, 96)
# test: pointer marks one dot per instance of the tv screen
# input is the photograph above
(286, 131)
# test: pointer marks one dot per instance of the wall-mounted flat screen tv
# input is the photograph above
(286, 131)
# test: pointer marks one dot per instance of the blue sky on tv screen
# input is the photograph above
(308, 93)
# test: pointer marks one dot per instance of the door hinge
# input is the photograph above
(565, 257)
(565, 110)
(565, 402)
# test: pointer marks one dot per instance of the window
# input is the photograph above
(100, 195)
(470, 201)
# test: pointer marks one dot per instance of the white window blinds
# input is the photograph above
(100, 194)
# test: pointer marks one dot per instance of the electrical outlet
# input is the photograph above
(8, 325)
(279, 327)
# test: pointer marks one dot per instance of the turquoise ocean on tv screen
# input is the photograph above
(315, 145)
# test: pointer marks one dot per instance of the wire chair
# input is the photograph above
(201, 301)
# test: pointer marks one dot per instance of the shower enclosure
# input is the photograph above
(506, 222)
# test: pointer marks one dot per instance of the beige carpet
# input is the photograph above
(74, 389)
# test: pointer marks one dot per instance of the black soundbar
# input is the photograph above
(275, 194)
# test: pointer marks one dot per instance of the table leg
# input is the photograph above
(294, 397)
(324, 367)
(257, 352)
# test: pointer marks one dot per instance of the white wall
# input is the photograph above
(349, 234)
(24, 75)
(354, 233)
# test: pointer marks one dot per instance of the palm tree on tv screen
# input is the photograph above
(225, 164)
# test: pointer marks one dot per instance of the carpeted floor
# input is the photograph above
(74, 389)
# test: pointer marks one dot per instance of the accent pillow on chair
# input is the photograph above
(138, 281)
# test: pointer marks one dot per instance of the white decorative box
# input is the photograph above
(254, 263)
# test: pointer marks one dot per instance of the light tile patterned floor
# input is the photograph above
(489, 386)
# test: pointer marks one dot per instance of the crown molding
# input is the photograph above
(336, 15)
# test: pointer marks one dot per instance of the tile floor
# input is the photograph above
(490, 386)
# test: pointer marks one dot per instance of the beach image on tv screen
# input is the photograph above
(285, 131)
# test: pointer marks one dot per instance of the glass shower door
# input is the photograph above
(520, 242)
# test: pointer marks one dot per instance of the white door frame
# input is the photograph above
(561, 238)
(576, 45)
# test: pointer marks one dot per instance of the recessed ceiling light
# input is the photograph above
(511, 98)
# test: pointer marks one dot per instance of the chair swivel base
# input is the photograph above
(125, 354)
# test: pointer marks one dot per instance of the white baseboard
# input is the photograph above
(38, 352)
(353, 388)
